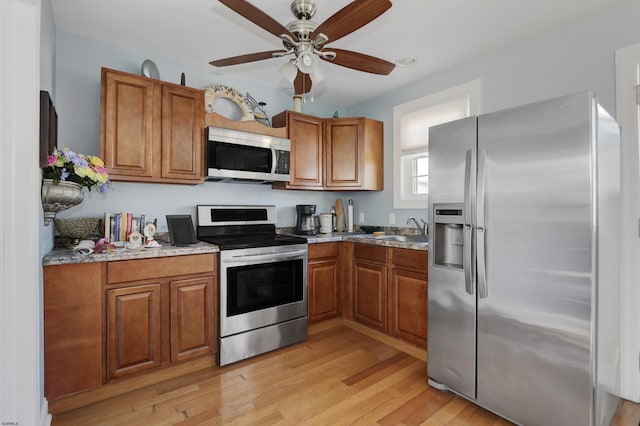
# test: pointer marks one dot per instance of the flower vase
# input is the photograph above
(59, 196)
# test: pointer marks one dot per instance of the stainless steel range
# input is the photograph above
(263, 280)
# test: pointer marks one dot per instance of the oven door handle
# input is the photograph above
(274, 257)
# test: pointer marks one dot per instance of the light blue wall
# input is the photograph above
(47, 48)
(78, 63)
(574, 58)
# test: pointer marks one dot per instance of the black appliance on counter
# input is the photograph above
(263, 280)
(306, 220)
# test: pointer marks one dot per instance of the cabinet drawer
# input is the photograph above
(413, 259)
(322, 250)
(143, 269)
(375, 253)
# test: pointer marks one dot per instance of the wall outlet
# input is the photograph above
(392, 218)
(361, 217)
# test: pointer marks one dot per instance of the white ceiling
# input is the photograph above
(437, 33)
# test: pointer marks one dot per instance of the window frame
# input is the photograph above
(470, 90)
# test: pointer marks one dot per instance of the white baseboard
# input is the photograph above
(45, 417)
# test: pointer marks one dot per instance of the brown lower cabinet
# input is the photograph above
(192, 326)
(159, 319)
(107, 320)
(324, 281)
(370, 273)
(390, 291)
(133, 328)
(408, 295)
(73, 356)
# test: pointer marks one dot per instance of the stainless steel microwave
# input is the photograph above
(237, 156)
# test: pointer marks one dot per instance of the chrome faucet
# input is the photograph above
(422, 228)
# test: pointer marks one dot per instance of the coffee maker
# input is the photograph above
(306, 221)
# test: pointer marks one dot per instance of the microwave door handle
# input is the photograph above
(274, 160)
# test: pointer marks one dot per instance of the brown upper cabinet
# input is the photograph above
(151, 131)
(339, 154)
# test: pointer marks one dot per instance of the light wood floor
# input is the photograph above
(339, 376)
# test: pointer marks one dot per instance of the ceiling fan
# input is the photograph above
(307, 40)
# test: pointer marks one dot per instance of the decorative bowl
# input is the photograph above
(77, 228)
(369, 229)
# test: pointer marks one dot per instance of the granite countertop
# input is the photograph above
(361, 237)
(365, 239)
(62, 256)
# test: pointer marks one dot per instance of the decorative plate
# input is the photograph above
(150, 69)
(216, 91)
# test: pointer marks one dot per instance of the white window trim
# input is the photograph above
(627, 78)
(471, 89)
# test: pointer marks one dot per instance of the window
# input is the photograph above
(411, 122)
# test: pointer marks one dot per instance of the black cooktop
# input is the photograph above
(235, 242)
(240, 227)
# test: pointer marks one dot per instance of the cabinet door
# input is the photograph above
(323, 290)
(73, 359)
(305, 133)
(408, 300)
(370, 294)
(192, 318)
(182, 133)
(133, 329)
(344, 151)
(127, 125)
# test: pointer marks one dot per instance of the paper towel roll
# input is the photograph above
(350, 216)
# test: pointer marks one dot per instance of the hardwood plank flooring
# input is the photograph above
(339, 376)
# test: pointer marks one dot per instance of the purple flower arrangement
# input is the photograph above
(65, 165)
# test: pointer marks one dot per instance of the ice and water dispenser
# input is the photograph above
(448, 240)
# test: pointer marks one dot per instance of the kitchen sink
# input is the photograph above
(404, 238)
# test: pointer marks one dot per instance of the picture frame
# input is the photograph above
(48, 127)
(181, 230)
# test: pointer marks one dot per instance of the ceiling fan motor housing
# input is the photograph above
(303, 9)
(302, 29)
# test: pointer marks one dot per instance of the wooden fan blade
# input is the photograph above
(257, 16)
(360, 62)
(351, 17)
(302, 83)
(243, 59)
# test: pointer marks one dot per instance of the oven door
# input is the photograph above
(262, 286)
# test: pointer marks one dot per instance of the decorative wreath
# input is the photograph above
(216, 91)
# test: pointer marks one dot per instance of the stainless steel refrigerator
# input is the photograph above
(523, 275)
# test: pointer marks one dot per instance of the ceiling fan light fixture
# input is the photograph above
(289, 71)
(307, 62)
(406, 62)
(317, 75)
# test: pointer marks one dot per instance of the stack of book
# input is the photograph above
(118, 226)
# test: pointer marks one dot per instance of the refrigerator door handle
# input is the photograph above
(467, 263)
(483, 290)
